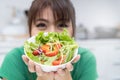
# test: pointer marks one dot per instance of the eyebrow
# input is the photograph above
(40, 19)
(63, 20)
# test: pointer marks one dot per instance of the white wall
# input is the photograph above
(94, 13)
(6, 9)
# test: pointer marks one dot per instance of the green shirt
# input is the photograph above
(13, 67)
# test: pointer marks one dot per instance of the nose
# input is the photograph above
(52, 28)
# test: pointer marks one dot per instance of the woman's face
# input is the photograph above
(47, 23)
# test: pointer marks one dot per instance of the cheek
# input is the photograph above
(71, 33)
(34, 31)
(70, 30)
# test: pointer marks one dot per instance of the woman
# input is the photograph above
(49, 16)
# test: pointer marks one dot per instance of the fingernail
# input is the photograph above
(71, 69)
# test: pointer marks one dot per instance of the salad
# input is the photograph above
(51, 48)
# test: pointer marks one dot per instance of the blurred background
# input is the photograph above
(98, 28)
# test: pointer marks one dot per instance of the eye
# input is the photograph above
(41, 25)
(62, 25)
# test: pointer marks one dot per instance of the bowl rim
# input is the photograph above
(32, 39)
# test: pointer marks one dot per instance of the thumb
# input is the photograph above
(25, 59)
(76, 59)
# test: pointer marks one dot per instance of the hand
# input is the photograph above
(32, 67)
(64, 74)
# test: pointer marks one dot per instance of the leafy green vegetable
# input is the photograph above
(68, 46)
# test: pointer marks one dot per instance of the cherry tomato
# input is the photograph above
(47, 52)
(45, 48)
(58, 61)
(51, 53)
(35, 53)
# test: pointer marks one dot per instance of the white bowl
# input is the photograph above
(47, 68)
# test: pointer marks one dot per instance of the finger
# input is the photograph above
(61, 72)
(76, 59)
(51, 74)
(25, 59)
(39, 71)
(69, 67)
(31, 66)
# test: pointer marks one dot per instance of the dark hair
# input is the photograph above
(62, 9)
